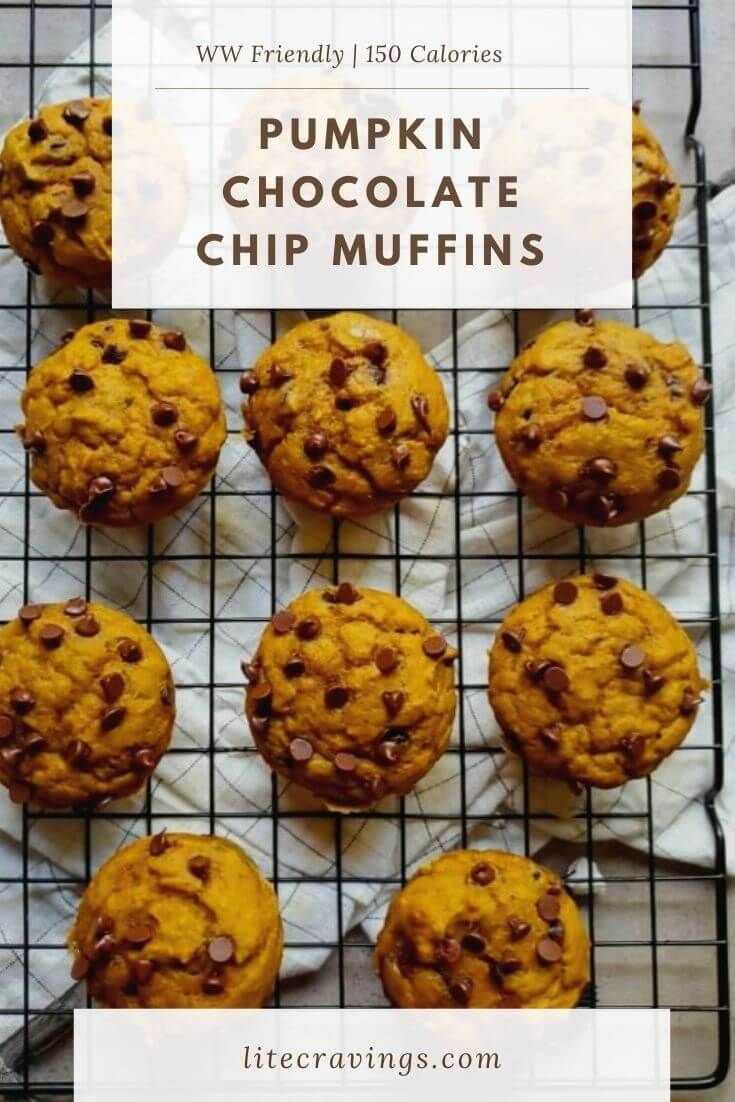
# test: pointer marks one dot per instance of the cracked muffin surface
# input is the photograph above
(351, 694)
(593, 680)
(656, 197)
(483, 929)
(55, 192)
(86, 704)
(124, 423)
(178, 921)
(600, 423)
(345, 414)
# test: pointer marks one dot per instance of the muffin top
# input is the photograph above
(86, 704)
(55, 192)
(346, 414)
(601, 423)
(124, 422)
(483, 929)
(593, 680)
(351, 695)
(656, 197)
(178, 921)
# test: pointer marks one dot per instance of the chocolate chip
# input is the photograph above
(321, 477)
(112, 718)
(345, 401)
(295, 667)
(28, 613)
(80, 382)
(78, 752)
(100, 489)
(600, 469)
(185, 441)
(113, 686)
(548, 951)
(448, 951)
(37, 130)
(386, 422)
(565, 593)
(283, 622)
(420, 407)
(261, 696)
(139, 329)
(604, 581)
(473, 943)
(129, 650)
(11, 757)
(531, 436)
(636, 376)
(401, 456)
(376, 352)
(175, 340)
(668, 446)
(105, 947)
(166, 694)
(138, 933)
(495, 401)
(42, 233)
(35, 442)
(392, 746)
(550, 736)
(594, 408)
(584, 317)
(435, 646)
(251, 671)
(7, 727)
(518, 928)
(338, 372)
(346, 594)
(611, 604)
(173, 477)
(51, 636)
(482, 874)
(548, 907)
(309, 629)
(632, 657)
(701, 391)
(87, 626)
(513, 641)
(142, 971)
(336, 696)
(199, 866)
(76, 113)
(663, 186)
(558, 500)
(594, 358)
(386, 659)
(221, 950)
(645, 210)
(301, 749)
(461, 990)
(107, 125)
(213, 985)
(249, 382)
(345, 763)
(79, 968)
(555, 679)
(689, 703)
(602, 508)
(22, 701)
(164, 414)
(393, 702)
(83, 184)
(74, 212)
(67, 336)
(279, 375)
(556, 932)
(144, 759)
(159, 844)
(668, 479)
(652, 682)
(316, 445)
(633, 745)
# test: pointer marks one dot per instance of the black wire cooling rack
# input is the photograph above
(702, 1020)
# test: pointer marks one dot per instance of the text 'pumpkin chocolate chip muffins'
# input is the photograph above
(86, 704)
(486, 930)
(599, 422)
(593, 680)
(656, 197)
(346, 414)
(178, 921)
(351, 694)
(124, 422)
(55, 192)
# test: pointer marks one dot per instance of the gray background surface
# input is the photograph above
(660, 37)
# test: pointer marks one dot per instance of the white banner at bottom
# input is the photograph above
(391, 1055)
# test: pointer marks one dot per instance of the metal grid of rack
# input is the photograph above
(711, 1015)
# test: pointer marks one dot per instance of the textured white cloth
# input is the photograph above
(486, 587)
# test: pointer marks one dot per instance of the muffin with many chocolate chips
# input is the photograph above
(86, 704)
(351, 694)
(592, 680)
(485, 930)
(346, 414)
(601, 423)
(55, 192)
(178, 921)
(124, 423)
(656, 197)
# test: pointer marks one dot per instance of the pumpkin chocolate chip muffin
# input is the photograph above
(656, 197)
(483, 929)
(601, 423)
(592, 680)
(346, 414)
(351, 694)
(55, 192)
(178, 921)
(124, 423)
(86, 704)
